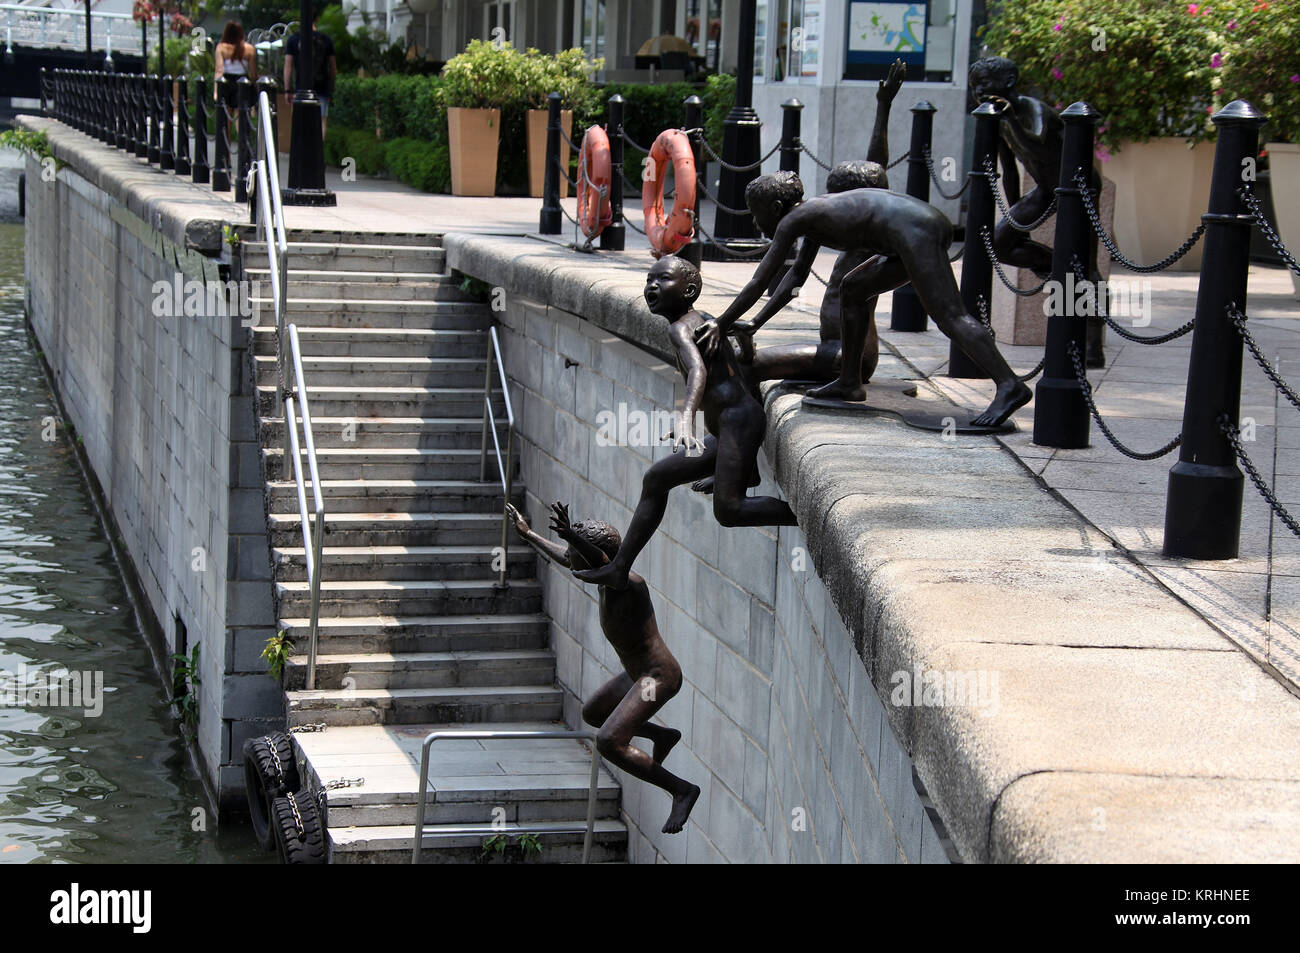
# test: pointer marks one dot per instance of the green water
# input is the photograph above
(117, 788)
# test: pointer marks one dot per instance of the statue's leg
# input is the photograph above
(935, 285)
(741, 434)
(614, 741)
(599, 707)
(663, 475)
(1014, 247)
(859, 291)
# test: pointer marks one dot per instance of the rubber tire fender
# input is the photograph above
(294, 847)
(270, 771)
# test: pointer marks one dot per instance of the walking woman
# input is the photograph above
(235, 58)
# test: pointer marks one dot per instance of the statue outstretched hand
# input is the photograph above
(707, 336)
(891, 84)
(560, 524)
(743, 332)
(521, 524)
(683, 435)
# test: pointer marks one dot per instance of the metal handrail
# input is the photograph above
(313, 548)
(490, 425)
(581, 735)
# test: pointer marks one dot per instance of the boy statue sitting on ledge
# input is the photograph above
(623, 706)
(719, 386)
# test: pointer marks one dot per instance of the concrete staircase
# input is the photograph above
(414, 631)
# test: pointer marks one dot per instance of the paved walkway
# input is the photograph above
(1254, 599)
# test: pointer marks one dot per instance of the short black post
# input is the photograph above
(200, 165)
(1203, 508)
(306, 140)
(140, 109)
(167, 154)
(551, 222)
(614, 235)
(976, 269)
(694, 250)
(908, 314)
(182, 126)
(128, 112)
(45, 102)
(791, 120)
(244, 127)
(120, 123)
(265, 84)
(1061, 417)
(155, 119)
(741, 134)
(221, 161)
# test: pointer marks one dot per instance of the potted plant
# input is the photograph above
(1259, 64)
(569, 74)
(476, 85)
(1147, 66)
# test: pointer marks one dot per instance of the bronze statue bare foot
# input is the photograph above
(682, 804)
(1011, 396)
(838, 390)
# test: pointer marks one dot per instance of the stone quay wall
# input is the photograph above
(162, 402)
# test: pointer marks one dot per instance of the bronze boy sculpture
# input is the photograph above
(732, 413)
(623, 706)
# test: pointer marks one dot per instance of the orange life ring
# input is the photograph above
(668, 234)
(594, 175)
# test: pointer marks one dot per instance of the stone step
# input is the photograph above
(377, 342)
(367, 401)
(367, 597)
(405, 285)
(434, 433)
(384, 463)
(333, 236)
(397, 496)
(466, 669)
(376, 313)
(349, 371)
(396, 563)
(463, 844)
(421, 633)
(354, 256)
(395, 529)
(408, 706)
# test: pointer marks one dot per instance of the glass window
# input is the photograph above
(921, 33)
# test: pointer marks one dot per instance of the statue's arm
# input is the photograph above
(777, 251)
(696, 377)
(593, 554)
(878, 149)
(552, 550)
(794, 278)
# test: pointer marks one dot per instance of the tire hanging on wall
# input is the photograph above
(269, 772)
(299, 829)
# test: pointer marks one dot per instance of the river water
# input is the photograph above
(113, 787)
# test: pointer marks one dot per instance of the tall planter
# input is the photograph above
(1162, 188)
(474, 135)
(537, 150)
(1284, 166)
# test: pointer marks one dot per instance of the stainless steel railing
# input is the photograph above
(493, 829)
(290, 385)
(504, 466)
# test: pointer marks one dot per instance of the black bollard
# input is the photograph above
(155, 119)
(614, 236)
(221, 161)
(741, 136)
(1061, 417)
(551, 221)
(182, 126)
(140, 108)
(1203, 508)
(694, 250)
(908, 314)
(166, 154)
(976, 269)
(791, 121)
(244, 92)
(201, 167)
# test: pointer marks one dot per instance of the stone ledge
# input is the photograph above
(193, 220)
(1126, 727)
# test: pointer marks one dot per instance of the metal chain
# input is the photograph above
(1239, 322)
(1038, 369)
(991, 172)
(960, 251)
(628, 139)
(756, 253)
(997, 267)
(983, 307)
(1085, 194)
(824, 282)
(726, 208)
(572, 145)
(740, 168)
(899, 161)
(1252, 203)
(344, 783)
(275, 756)
(297, 818)
(810, 154)
(929, 164)
(308, 728)
(559, 166)
(1234, 438)
(628, 222)
(1125, 332)
(1096, 415)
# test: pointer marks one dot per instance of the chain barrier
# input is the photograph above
(1234, 438)
(810, 155)
(739, 168)
(628, 139)
(756, 253)
(825, 283)
(309, 728)
(1125, 332)
(956, 256)
(726, 208)
(992, 173)
(1239, 322)
(938, 187)
(1252, 203)
(572, 146)
(997, 267)
(1085, 193)
(899, 161)
(344, 783)
(983, 307)
(1096, 415)
(297, 818)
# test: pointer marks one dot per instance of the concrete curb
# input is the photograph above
(1126, 728)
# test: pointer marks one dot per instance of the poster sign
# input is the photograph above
(879, 33)
(810, 46)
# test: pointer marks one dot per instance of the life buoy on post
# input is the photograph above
(594, 175)
(669, 233)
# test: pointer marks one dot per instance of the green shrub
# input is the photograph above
(424, 165)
